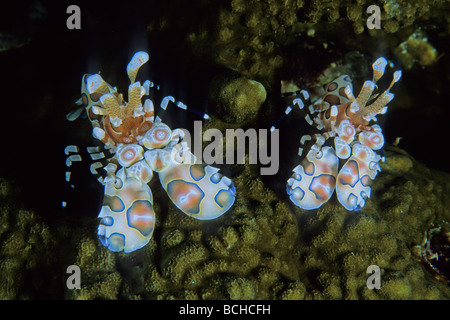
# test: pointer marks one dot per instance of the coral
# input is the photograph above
(238, 100)
(268, 249)
(104, 274)
(26, 247)
(105, 287)
(249, 36)
(220, 264)
(263, 253)
(295, 291)
(99, 277)
(396, 286)
(395, 14)
(245, 35)
(241, 289)
(416, 49)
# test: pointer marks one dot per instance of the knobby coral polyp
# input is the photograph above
(350, 122)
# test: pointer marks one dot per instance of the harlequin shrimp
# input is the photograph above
(349, 121)
(141, 144)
